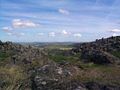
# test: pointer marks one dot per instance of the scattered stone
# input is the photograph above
(43, 82)
(59, 70)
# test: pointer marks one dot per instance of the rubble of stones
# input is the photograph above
(99, 51)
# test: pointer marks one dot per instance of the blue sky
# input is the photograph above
(58, 20)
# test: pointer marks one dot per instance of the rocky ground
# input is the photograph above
(87, 66)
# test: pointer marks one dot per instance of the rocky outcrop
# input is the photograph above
(99, 51)
(107, 44)
(52, 77)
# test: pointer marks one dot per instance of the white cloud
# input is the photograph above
(7, 29)
(9, 33)
(15, 34)
(40, 34)
(115, 31)
(64, 32)
(52, 34)
(77, 35)
(63, 11)
(22, 34)
(18, 23)
(114, 34)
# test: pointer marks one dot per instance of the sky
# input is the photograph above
(58, 20)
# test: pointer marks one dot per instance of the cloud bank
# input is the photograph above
(18, 23)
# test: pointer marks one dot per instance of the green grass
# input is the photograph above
(66, 47)
(12, 76)
(116, 53)
(100, 73)
(58, 56)
(61, 58)
(89, 65)
(3, 55)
